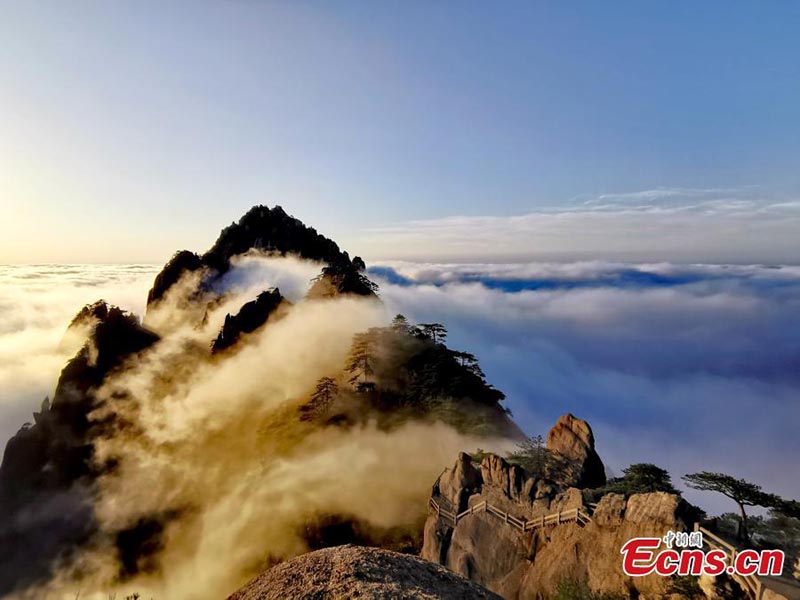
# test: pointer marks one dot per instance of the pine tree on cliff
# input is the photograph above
(470, 363)
(348, 277)
(433, 331)
(359, 363)
(789, 508)
(400, 324)
(642, 478)
(740, 491)
(532, 455)
(322, 398)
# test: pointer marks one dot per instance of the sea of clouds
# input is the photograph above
(689, 366)
(37, 302)
(692, 367)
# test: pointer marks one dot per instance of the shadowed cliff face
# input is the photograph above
(250, 317)
(183, 262)
(169, 446)
(47, 473)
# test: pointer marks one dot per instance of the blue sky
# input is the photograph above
(132, 130)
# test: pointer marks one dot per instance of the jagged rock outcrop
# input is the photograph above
(272, 231)
(182, 262)
(250, 317)
(531, 565)
(347, 572)
(46, 472)
(55, 449)
(460, 482)
(572, 438)
(90, 315)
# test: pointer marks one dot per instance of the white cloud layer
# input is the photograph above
(690, 367)
(37, 303)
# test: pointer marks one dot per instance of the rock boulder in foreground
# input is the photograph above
(346, 572)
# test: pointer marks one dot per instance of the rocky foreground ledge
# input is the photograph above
(346, 572)
(532, 565)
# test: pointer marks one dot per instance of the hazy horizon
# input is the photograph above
(653, 226)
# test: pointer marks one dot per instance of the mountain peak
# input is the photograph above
(272, 231)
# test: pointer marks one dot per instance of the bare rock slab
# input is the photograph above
(346, 572)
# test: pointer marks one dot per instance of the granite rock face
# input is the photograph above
(458, 484)
(531, 565)
(346, 572)
(572, 438)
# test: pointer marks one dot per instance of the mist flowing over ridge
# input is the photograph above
(202, 432)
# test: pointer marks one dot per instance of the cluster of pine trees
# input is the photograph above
(408, 368)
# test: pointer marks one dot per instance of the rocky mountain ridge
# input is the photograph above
(47, 469)
(572, 543)
(530, 566)
(50, 469)
(270, 231)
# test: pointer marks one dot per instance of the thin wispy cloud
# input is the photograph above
(675, 224)
(664, 193)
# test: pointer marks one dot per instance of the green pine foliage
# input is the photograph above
(407, 370)
(533, 456)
